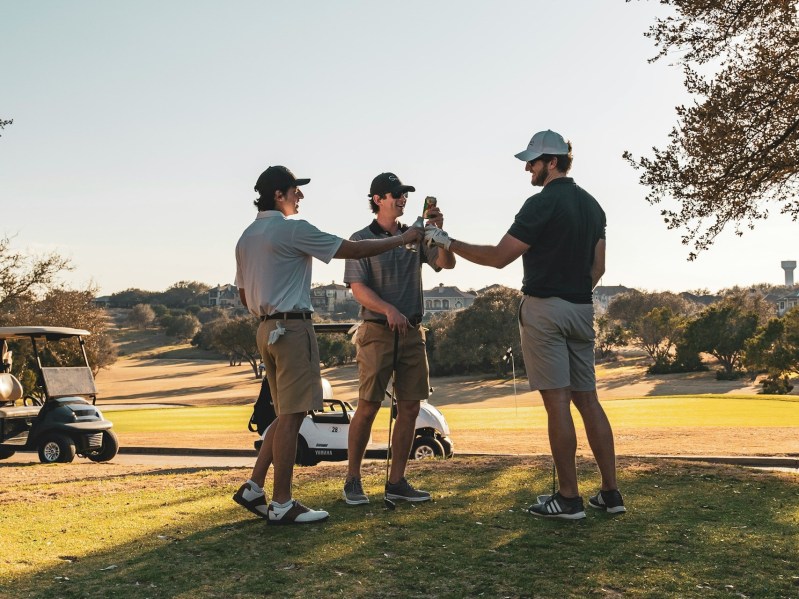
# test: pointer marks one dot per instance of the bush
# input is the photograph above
(723, 375)
(776, 386)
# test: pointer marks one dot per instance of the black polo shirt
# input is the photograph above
(562, 225)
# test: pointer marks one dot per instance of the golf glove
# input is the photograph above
(433, 236)
(276, 333)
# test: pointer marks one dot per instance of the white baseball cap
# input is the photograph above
(544, 142)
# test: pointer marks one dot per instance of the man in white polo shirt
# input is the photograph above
(273, 273)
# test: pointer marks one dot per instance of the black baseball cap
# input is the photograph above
(277, 177)
(387, 183)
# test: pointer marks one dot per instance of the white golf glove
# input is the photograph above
(438, 237)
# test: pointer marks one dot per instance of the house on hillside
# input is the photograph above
(104, 301)
(445, 299)
(332, 298)
(787, 302)
(224, 296)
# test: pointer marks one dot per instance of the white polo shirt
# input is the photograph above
(273, 262)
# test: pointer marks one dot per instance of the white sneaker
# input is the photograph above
(251, 499)
(295, 513)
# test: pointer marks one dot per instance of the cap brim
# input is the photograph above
(402, 188)
(528, 155)
(299, 182)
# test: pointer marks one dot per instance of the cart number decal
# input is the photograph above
(333, 429)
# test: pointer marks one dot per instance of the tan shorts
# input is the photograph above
(292, 366)
(375, 344)
(557, 343)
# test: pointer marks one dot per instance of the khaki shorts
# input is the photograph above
(375, 344)
(292, 366)
(557, 343)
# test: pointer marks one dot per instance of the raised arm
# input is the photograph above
(499, 256)
(373, 247)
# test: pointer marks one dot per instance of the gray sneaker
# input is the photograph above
(353, 492)
(403, 490)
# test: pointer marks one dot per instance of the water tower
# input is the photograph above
(788, 266)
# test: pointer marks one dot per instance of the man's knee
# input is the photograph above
(408, 409)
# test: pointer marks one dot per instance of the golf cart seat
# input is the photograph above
(10, 388)
(10, 391)
(66, 382)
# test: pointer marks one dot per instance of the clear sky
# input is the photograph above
(141, 127)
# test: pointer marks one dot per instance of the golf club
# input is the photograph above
(390, 505)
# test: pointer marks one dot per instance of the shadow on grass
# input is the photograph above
(692, 530)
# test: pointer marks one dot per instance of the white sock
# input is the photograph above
(258, 490)
(282, 506)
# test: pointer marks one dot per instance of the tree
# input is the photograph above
(335, 349)
(182, 327)
(775, 350)
(476, 339)
(141, 316)
(24, 276)
(184, 294)
(233, 337)
(736, 148)
(722, 330)
(609, 335)
(631, 306)
(130, 297)
(63, 308)
(657, 333)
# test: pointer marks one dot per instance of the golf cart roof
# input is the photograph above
(49, 333)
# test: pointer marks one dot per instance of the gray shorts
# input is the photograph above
(557, 343)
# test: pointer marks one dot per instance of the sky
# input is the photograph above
(141, 127)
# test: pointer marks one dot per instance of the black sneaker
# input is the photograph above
(403, 490)
(353, 492)
(557, 506)
(610, 501)
(252, 500)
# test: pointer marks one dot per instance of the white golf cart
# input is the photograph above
(57, 419)
(323, 433)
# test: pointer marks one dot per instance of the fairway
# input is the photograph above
(711, 425)
(683, 411)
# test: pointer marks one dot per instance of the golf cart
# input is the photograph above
(323, 433)
(57, 420)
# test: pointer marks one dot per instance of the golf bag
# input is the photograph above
(263, 412)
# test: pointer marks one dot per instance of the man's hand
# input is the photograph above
(435, 217)
(435, 236)
(412, 235)
(397, 320)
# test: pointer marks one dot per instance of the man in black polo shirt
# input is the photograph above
(560, 234)
(389, 289)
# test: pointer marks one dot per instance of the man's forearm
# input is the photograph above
(485, 255)
(367, 247)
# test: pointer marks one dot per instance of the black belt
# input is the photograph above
(415, 322)
(288, 316)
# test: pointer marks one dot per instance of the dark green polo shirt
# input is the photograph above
(562, 225)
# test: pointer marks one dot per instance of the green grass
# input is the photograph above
(700, 410)
(692, 531)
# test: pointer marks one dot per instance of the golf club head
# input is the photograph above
(390, 505)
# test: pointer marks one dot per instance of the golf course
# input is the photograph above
(692, 529)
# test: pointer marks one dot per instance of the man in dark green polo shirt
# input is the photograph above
(560, 234)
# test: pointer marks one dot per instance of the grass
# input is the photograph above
(698, 410)
(104, 530)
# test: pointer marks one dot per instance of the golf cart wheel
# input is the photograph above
(426, 448)
(6, 452)
(56, 448)
(108, 450)
(448, 453)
